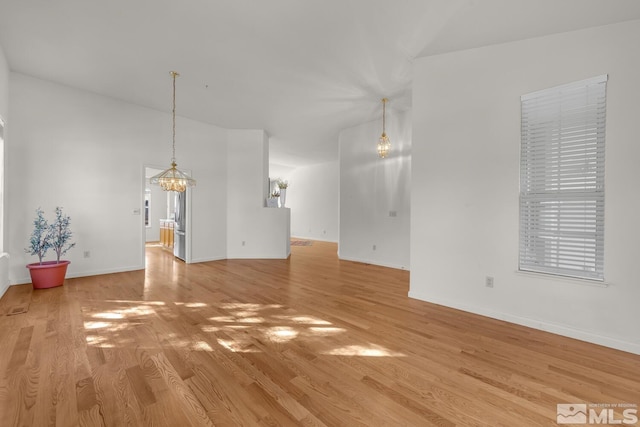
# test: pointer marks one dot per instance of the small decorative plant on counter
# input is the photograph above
(272, 200)
(45, 236)
(282, 185)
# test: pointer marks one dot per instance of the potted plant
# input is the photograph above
(56, 236)
(272, 200)
(282, 185)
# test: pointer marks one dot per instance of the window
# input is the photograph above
(147, 206)
(562, 180)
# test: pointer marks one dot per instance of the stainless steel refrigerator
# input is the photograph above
(180, 227)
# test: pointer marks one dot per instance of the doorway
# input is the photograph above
(159, 215)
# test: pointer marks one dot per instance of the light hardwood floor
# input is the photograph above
(306, 341)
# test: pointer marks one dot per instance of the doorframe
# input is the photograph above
(143, 227)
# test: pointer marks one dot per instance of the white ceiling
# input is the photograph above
(300, 69)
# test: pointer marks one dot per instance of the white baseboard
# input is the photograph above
(313, 238)
(554, 328)
(26, 280)
(257, 256)
(376, 262)
(197, 260)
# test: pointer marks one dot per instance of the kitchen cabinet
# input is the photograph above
(166, 233)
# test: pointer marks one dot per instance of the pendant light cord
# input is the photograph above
(384, 115)
(173, 158)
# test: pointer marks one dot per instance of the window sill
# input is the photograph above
(565, 279)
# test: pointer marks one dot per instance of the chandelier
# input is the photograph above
(173, 179)
(384, 145)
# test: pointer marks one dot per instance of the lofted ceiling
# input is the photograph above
(300, 69)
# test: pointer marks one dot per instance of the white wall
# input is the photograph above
(314, 199)
(466, 131)
(4, 85)
(86, 152)
(371, 189)
(253, 231)
(4, 113)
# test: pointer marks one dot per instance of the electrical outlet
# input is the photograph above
(393, 214)
(87, 254)
(374, 247)
(243, 243)
(489, 282)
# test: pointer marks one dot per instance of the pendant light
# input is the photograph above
(173, 179)
(384, 145)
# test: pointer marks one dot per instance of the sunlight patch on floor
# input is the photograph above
(358, 350)
(309, 320)
(109, 315)
(224, 319)
(281, 333)
(252, 320)
(237, 347)
(116, 327)
(326, 331)
(98, 341)
(96, 325)
(137, 302)
(191, 304)
(244, 327)
(201, 346)
(248, 306)
(245, 313)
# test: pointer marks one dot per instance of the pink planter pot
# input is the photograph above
(49, 274)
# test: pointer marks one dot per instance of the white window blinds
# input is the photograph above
(562, 180)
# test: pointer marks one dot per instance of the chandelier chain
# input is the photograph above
(173, 112)
(173, 179)
(384, 114)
